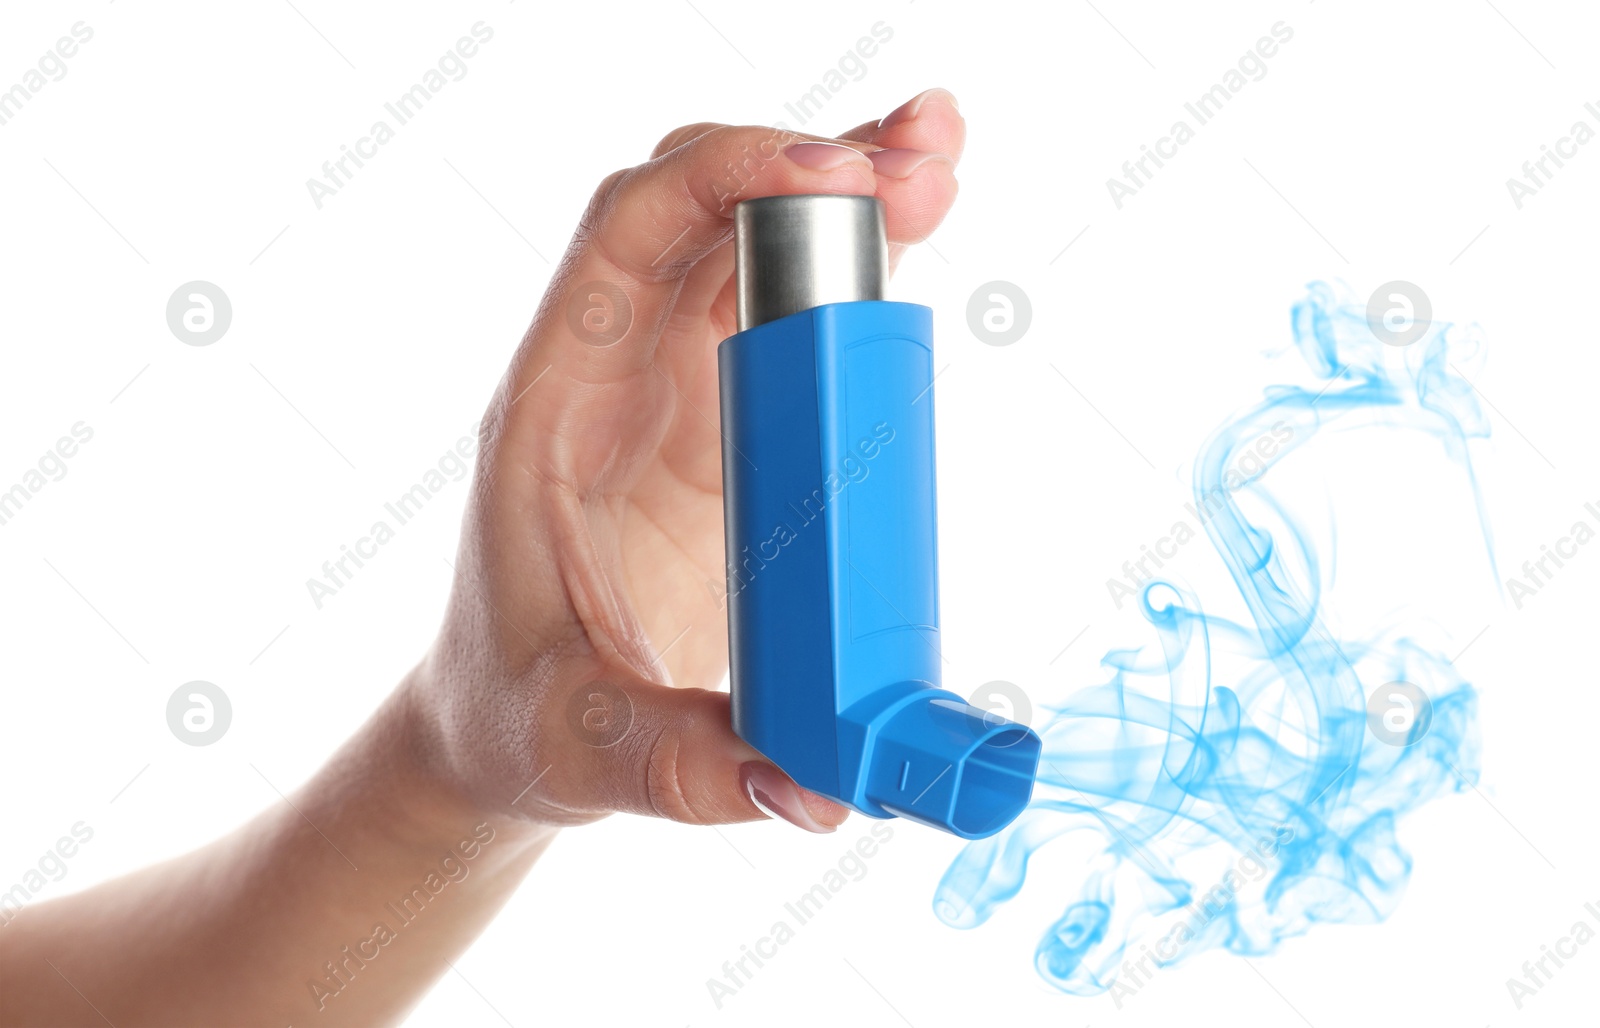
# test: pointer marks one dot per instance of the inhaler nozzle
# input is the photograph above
(792, 253)
(941, 762)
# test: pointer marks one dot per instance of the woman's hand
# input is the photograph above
(573, 674)
(586, 632)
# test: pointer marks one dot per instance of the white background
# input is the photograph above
(178, 146)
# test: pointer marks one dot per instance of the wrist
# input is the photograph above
(406, 787)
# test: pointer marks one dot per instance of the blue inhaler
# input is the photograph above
(832, 576)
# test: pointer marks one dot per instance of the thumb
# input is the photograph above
(672, 753)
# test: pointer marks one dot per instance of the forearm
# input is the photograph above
(339, 906)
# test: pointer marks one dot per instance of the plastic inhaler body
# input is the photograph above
(828, 475)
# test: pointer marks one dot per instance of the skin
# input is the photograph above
(582, 613)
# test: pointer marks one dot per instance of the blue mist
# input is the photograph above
(1224, 783)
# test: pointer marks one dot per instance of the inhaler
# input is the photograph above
(829, 507)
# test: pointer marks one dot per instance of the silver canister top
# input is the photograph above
(792, 253)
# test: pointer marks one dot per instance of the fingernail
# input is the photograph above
(901, 163)
(912, 107)
(820, 156)
(777, 796)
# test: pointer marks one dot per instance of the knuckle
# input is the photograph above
(632, 220)
(731, 162)
(743, 142)
(680, 135)
(665, 789)
(608, 185)
(606, 197)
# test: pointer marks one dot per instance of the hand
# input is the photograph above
(586, 634)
